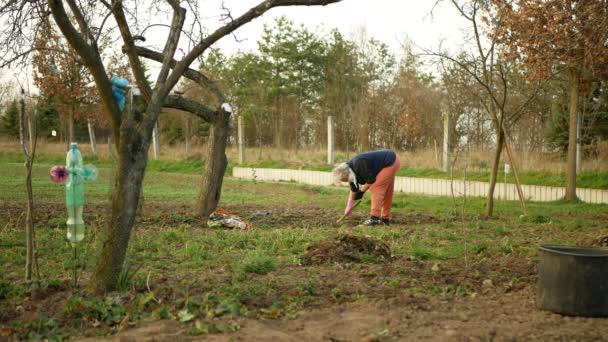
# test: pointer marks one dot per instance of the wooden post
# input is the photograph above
(186, 120)
(92, 136)
(436, 153)
(241, 138)
(446, 143)
(331, 141)
(31, 124)
(156, 143)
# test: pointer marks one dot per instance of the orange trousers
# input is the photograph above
(382, 191)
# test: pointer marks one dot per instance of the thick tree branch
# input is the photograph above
(125, 32)
(191, 74)
(190, 106)
(82, 23)
(179, 15)
(174, 4)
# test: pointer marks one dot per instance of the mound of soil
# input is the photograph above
(346, 248)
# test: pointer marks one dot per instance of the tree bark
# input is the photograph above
(494, 175)
(133, 157)
(29, 220)
(574, 78)
(215, 166)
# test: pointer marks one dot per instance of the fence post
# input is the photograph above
(446, 142)
(241, 138)
(92, 136)
(331, 141)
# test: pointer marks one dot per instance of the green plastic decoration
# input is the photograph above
(74, 194)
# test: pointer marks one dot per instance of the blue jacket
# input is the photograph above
(368, 165)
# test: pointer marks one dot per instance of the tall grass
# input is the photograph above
(535, 167)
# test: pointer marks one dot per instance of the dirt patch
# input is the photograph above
(160, 215)
(346, 248)
(586, 216)
(498, 317)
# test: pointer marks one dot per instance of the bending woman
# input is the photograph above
(375, 171)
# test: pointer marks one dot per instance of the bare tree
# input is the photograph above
(29, 152)
(132, 131)
(559, 34)
(484, 63)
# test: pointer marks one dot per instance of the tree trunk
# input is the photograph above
(29, 221)
(215, 166)
(133, 157)
(574, 78)
(494, 175)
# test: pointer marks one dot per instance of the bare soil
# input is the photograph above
(346, 248)
(494, 317)
(491, 299)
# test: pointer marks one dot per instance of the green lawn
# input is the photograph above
(585, 179)
(175, 269)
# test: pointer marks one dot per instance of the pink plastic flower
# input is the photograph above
(59, 174)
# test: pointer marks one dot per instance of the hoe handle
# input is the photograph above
(344, 216)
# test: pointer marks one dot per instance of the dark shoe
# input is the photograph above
(372, 221)
(386, 221)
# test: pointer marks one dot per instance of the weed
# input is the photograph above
(162, 312)
(57, 222)
(336, 293)
(309, 287)
(506, 247)
(258, 263)
(372, 259)
(423, 252)
(394, 283)
(108, 310)
(536, 219)
(5, 289)
(43, 328)
(230, 306)
(480, 247)
(125, 278)
(500, 231)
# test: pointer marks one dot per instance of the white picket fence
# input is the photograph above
(427, 186)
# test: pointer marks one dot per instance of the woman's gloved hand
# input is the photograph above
(358, 195)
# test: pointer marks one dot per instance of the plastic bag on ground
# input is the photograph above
(222, 218)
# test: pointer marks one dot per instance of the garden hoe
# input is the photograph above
(344, 216)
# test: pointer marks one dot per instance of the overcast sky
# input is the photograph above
(390, 21)
(387, 20)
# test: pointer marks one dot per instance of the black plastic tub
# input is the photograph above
(573, 280)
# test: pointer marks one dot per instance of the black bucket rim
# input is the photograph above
(575, 251)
